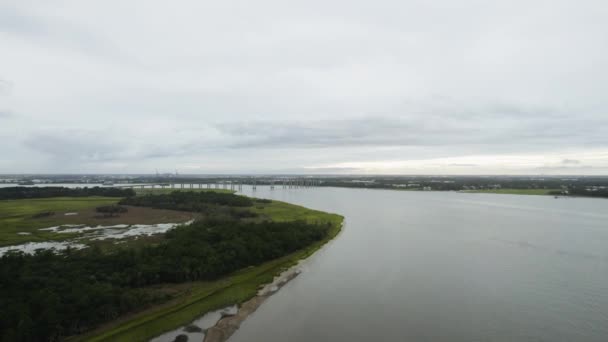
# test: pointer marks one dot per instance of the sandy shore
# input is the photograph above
(226, 326)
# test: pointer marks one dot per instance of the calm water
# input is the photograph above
(436, 266)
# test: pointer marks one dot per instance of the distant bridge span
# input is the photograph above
(232, 184)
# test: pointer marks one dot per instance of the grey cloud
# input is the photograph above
(75, 146)
(5, 86)
(194, 84)
(322, 170)
(571, 161)
(99, 145)
(336, 133)
(571, 169)
(12, 20)
(491, 131)
(5, 89)
(537, 132)
(442, 105)
(56, 32)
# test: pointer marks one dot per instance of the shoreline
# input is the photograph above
(227, 326)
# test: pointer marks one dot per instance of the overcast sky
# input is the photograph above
(412, 87)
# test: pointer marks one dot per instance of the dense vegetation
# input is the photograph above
(597, 192)
(48, 296)
(212, 204)
(20, 192)
(188, 200)
(444, 183)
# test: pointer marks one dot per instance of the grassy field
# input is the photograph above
(202, 297)
(514, 191)
(281, 211)
(16, 216)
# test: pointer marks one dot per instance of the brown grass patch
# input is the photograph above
(135, 215)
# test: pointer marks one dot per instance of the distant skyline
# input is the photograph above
(307, 87)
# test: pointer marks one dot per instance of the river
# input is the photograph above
(445, 266)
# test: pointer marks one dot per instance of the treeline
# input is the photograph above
(455, 183)
(20, 192)
(188, 200)
(48, 296)
(112, 209)
(220, 205)
(441, 184)
(588, 193)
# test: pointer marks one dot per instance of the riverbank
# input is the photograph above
(505, 191)
(228, 325)
(541, 192)
(195, 299)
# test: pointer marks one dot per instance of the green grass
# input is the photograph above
(208, 296)
(16, 216)
(281, 211)
(514, 191)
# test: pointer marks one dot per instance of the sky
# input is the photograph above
(313, 87)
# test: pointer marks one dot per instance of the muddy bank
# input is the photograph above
(226, 326)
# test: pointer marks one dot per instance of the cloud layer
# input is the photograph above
(309, 86)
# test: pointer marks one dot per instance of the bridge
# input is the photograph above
(232, 184)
